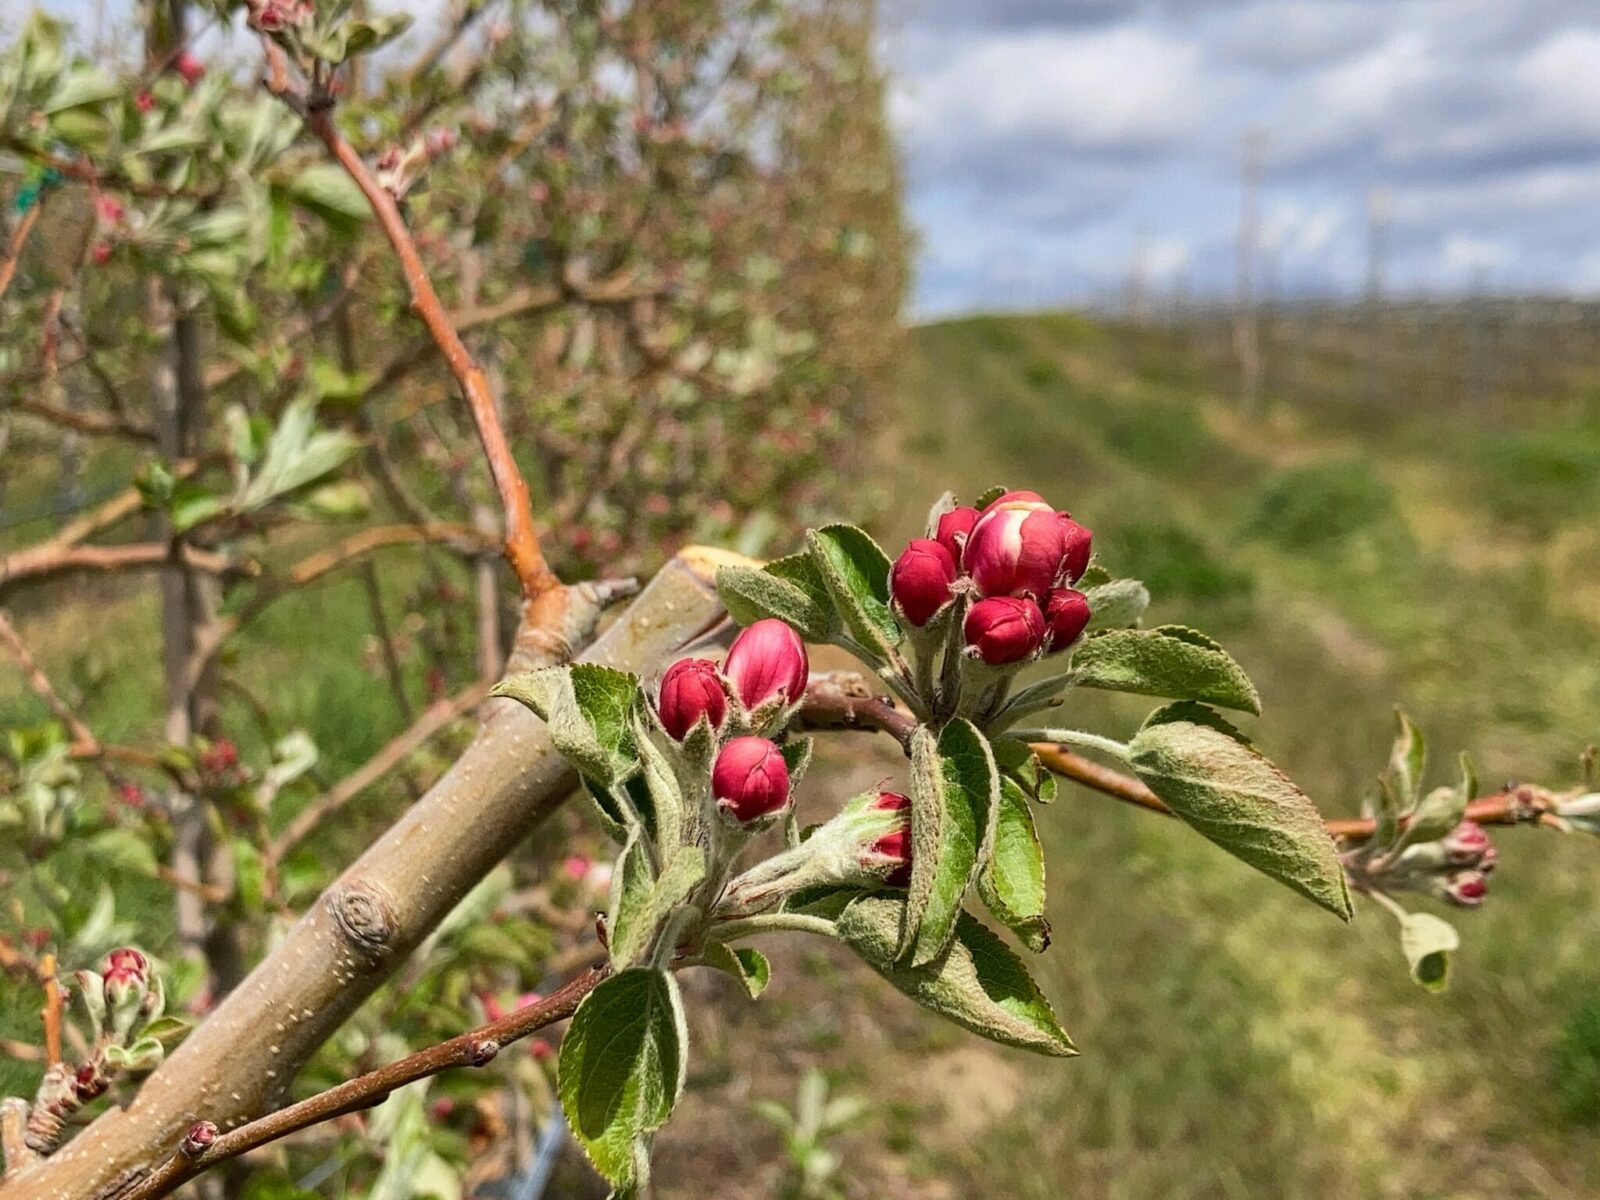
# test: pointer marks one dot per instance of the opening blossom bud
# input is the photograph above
(920, 580)
(765, 661)
(1016, 548)
(128, 959)
(691, 689)
(895, 845)
(954, 529)
(1066, 615)
(1467, 844)
(750, 778)
(1466, 888)
(1004, 629)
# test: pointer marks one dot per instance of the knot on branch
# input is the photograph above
(366, 918)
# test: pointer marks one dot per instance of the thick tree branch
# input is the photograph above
(474, 1049)
(243, 1056)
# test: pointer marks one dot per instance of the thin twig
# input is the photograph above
(473, 1049)
(43, 563)
(433, 719)
(522, 549)
(14, 244)
(55, 1003)
(82, 736)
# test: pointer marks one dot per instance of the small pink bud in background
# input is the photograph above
(144, 102)
(575, 867)
(1004, 629)
(954, 528)
(1066, 616)
(750, 778)
(189, 68)
(528, 1000)
(441, 1108)
(766, 660)
(1016, 550)
(540, 1049)
(691, 689)
(1079, 548)
(100, 253)
(493, 1010)
(126, 958)
(1466, 888)
(108, 208)
(920, 580)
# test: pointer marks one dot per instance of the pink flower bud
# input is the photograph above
(1466, 844)
(540, 1049)
(122, 983)
(189, 68)
(126, 958)
(1079, 547)
(1066, 615)
(1004, 629)
(575, 867)
(765, 661)
(144, 102)
(954, 529)
(198, 1139)
(920, 580)
(1466, 888)
(750, 778)
(100, 253)
(1016, 550)
(691, 689)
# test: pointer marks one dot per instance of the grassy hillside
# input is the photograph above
(1236, 1041)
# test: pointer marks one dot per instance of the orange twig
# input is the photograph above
(19, 237)
(55, 1003)
(522, 548)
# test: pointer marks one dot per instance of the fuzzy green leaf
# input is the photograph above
(977, 982)
(954, 810)
(855, 571)
(1408, 760)
(1241, 801)
(586, 707)
(1118, 604)
(1170, 661)
(621, 1068)
(1012, 882)
(750, 594)
(749, 966)
(633, 936)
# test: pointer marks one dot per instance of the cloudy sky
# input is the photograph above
(1056, 148)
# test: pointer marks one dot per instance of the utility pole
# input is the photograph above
(1246, 334)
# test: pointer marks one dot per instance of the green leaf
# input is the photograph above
(1018, 762)
(855, 570)
(954, 809)
(1241, 801)
(81, 86)
(1166, 661)
(988, 497)
(1119, 604)
(797, 757)
(1408, 760)
(1012, 882)
(660, 779)
(977, 982)
(364, 36)
(632, 885)
(750, 594)
(633, 935)
(587, 707)
(325, 189)
(297, 454)
(1428, 942)
(621, 1068)
(750, 967)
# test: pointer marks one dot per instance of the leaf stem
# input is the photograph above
(780, 922)
(1076, 737)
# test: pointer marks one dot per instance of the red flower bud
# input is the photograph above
(897, 843)
(750, 778)
(767, 660)
(100, 252)
(1004, 629)
(1466, 844)
(1466, 888)
(190, 68)
(144, 102)
(1079, 546)
(954, 529)
(691, 689)
(1066, 614)
(1016, 550)
(88, 1082)
(920, 580)
(198, 1139)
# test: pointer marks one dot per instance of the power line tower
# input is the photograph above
(1246, 328)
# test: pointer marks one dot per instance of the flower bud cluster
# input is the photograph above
(1454, 868)
(1016, 559)
(750, 693)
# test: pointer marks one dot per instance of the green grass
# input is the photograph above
(1236, 1041)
